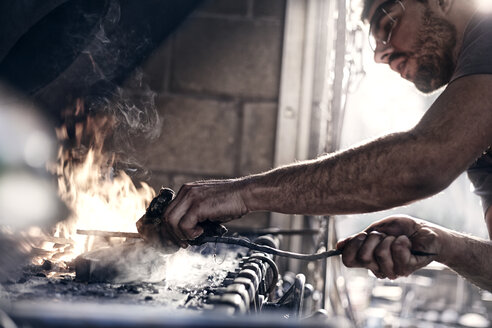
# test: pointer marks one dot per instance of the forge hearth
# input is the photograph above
(208, 278)
(131, 261)
(51, 282)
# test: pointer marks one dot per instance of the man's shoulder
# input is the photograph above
(476, 51)
(479, 24)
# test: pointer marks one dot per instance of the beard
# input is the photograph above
(435, 45)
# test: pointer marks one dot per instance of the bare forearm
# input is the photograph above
(468, 256)
(381, 174)
(390, 171)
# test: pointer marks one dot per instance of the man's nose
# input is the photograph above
(382, 53)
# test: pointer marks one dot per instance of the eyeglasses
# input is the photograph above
(384, 22)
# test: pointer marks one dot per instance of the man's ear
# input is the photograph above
(445, 5)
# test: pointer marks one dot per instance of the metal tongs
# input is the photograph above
(213, 232)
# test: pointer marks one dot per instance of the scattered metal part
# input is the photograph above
(293, 298)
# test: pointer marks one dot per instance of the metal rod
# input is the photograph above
(101, 233)
(274, 231)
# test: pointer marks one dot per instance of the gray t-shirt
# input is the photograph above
(476, 53)
(476, 58)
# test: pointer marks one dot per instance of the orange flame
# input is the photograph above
(98, 197)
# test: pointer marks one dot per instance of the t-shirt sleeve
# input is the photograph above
(480, 174)
(476, 58)
(476, 53)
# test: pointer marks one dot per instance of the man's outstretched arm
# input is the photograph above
(385, 249)
(390, 171)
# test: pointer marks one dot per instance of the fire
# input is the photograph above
(99, 197)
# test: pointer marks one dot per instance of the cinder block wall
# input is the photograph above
(217, 81)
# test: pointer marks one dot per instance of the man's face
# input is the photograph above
(414, 41)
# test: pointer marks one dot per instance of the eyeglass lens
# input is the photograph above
(383, 22)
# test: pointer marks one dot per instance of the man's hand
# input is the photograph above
(214, 200)
(384, 247)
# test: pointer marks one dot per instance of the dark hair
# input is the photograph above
(365, 9)
(367, 4)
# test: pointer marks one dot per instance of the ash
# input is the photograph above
(190, 276)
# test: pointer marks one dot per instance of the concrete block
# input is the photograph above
(269, 8)
(156, 68)
(160, 179)
(237, 58)
(251, 220)
(180, 179)
(198, 137)
(174, 181)
(224, 7)
(258, 139)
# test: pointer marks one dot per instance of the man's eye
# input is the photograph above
(386, 25)
(387, 28)
(382, 32)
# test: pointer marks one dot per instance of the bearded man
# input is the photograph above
(431, 43)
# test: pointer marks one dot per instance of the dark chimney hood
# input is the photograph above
(58, 50)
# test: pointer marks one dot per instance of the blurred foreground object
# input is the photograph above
(28, 194)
